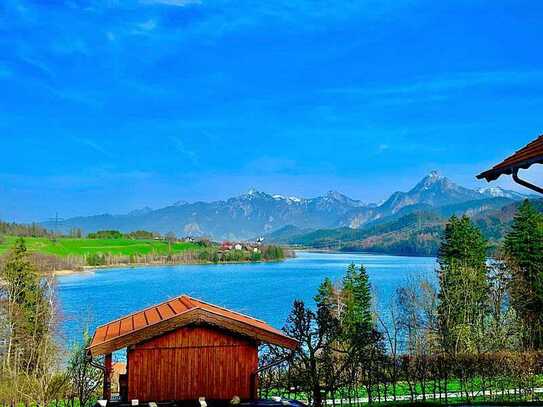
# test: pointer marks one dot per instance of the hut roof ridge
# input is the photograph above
(174, 313)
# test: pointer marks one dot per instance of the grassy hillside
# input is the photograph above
(76, 253)
(84, 247)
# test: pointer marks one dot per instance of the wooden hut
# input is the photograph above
(183, 349)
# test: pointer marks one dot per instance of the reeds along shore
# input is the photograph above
(76, 263)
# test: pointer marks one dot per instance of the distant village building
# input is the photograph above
(226, 246)
(238, 246)
(184, 349)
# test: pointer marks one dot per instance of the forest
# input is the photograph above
(476, 335)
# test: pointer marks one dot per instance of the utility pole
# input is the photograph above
(56, 220)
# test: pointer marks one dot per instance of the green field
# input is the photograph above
(82, 247)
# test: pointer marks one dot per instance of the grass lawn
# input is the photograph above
(402, 389)
(81, 247)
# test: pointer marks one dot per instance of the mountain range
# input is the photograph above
(279, 217)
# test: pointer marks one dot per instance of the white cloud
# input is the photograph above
(177, 3)
(443, 85)
(148, 25)
(94, 146)
(181, 148)
(382, 147)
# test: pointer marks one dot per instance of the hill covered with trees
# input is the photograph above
(415, 233)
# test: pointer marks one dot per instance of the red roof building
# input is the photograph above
(185, 348)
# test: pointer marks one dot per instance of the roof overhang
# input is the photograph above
(521, 160)
(196, 316)
(494, 173)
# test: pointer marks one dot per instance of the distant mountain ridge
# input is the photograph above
(417, 233)
(257, 213)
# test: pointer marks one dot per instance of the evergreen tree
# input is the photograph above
(325, 294)
(363, 343)
(338, 339)
(463, 282)
(357, 316)
(524, 246)
(327, 315)
(462, 245)
(26, 307)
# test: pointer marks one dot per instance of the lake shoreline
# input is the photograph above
(333, 251)
(93, 269)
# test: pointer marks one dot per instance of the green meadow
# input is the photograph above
(83, 247)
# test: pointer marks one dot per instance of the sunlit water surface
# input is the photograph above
(263, 290)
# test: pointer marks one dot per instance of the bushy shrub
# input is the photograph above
(96, 259)
(272, 253)
(106, 234)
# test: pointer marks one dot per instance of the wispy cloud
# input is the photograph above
(176, 3)
(110, 35)
(71, 46)
(382, 148)
(181, 148)
(444, 84)
(148, 25)
(89, 178)
(467, 80)
(94, 146)
(271, 165)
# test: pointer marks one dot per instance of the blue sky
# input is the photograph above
(108, 106)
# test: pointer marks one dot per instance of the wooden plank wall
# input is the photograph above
(190, 362)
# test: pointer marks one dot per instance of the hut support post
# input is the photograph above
(108, 364)
(254, 386)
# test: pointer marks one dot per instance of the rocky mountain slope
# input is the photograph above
(258, 213)
(415, 233)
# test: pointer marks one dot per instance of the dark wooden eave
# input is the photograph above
(521, 159)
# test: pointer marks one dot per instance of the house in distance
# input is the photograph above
(184, 349)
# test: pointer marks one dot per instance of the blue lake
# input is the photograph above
(263, 290)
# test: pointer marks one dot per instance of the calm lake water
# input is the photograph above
(263, 290)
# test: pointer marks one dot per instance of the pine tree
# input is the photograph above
(357, 318)
(524, 246)
(364, 344)
(463, 285)
(26, 307)
(462, 245)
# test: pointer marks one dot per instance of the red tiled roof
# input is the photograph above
(523, 158)
(174, 313)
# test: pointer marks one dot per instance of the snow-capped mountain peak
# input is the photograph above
(499, 192)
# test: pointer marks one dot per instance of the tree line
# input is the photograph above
(17, 229)
(115, 234)
(476, 333)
